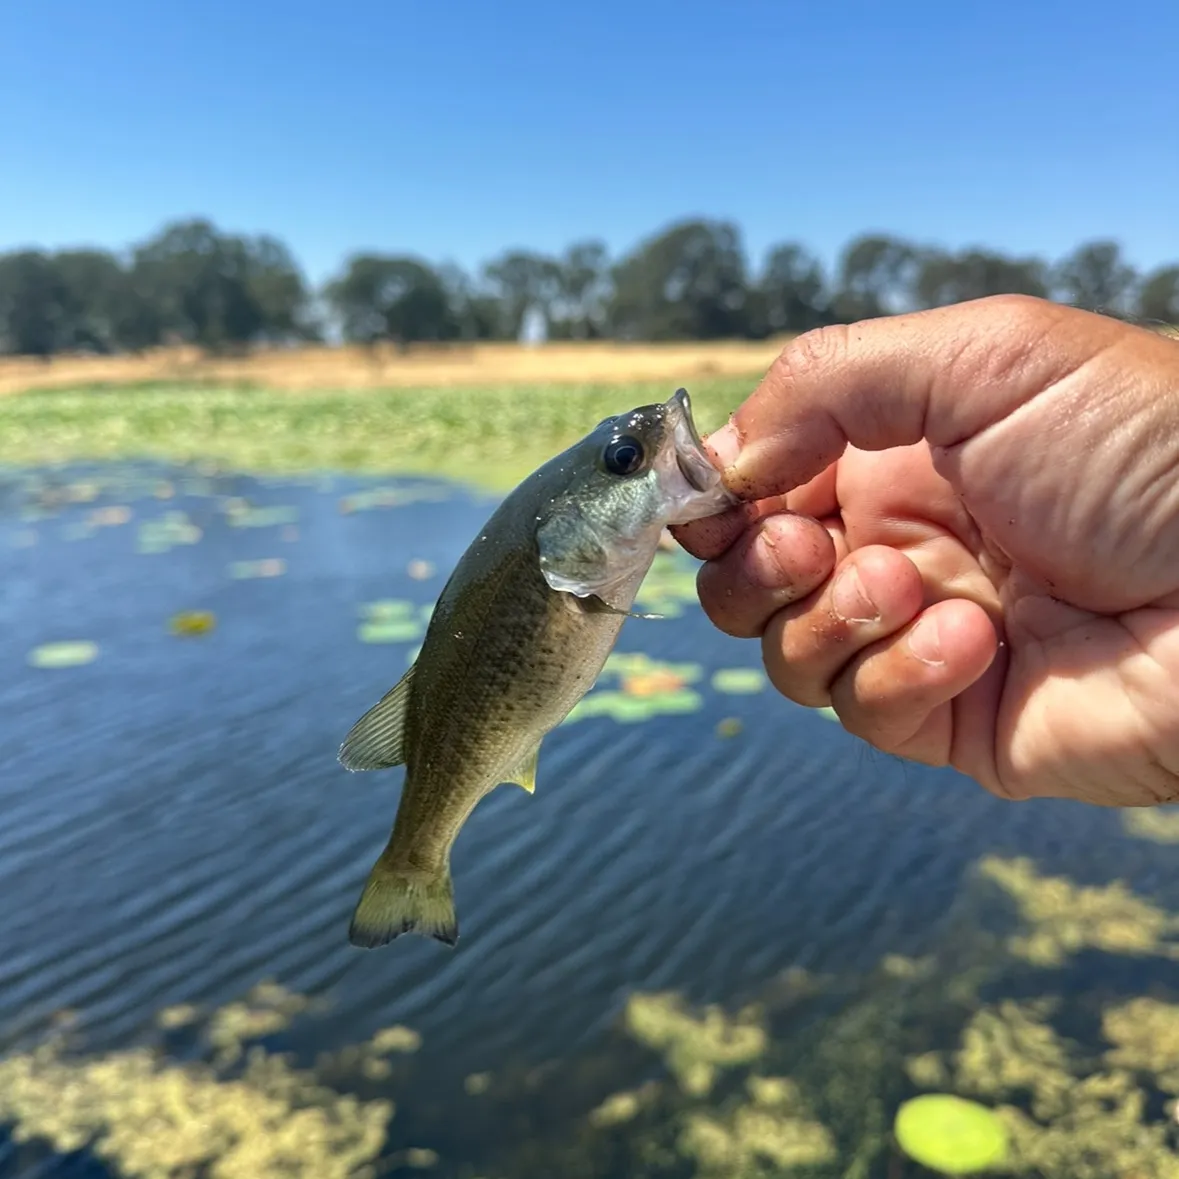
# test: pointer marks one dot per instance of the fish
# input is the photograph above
(518, 635)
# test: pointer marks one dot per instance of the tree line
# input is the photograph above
(194, 283)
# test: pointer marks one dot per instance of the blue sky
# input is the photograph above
(453, 130)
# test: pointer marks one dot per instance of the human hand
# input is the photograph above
(989, 577)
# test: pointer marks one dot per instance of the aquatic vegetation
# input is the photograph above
(265, 567)
(757, 1138)
(267, 1009)
(165, 532)
(391, 620)
(695, 1047)
(739, 681)
(669, 585)
(148, 1118)
(110, 517)
(67, 653)
(1065, 918)
(1065, 1117)
(730, 726)
(192, 622)
(240, 514)
(1159, 824)
(490, 437)
(390, 497)
(950, 1134)
(647, 687)
(1145, 1035)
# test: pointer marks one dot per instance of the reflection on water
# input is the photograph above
(723, 938)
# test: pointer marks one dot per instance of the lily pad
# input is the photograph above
(268, 567)
(192, 622)
(628, 709)
(173, 528)
(241, 515)
(69, 653)
(389, 630)
(739, 681)
(950, 1134)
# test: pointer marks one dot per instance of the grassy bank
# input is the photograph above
(311, 368)
(491, 437)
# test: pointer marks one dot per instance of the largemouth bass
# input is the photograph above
(518, 635)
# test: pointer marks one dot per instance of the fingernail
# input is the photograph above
(725, 444)
(767, 566)
(850, 600)
(926, 643)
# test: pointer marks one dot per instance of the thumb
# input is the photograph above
(942, 376)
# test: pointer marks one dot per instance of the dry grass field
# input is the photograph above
(457, 366)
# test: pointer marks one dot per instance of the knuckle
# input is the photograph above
(813, 352)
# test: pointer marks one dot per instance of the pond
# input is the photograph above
(183, 651)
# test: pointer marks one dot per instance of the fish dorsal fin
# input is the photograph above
(525, 773)
(375, 742)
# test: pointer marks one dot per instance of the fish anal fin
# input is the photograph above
(524, 775)
(376, 741)
(396, 902)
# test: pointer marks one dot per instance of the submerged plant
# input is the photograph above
(149, 1118)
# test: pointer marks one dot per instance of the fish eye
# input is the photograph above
(623, 456)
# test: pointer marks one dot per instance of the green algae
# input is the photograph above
(1065, 918)
(236, 1115)
(1066, 1116)
(1156, 824)
(696, 1047)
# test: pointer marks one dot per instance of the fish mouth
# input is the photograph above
(690, 455)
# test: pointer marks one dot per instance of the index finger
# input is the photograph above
(943, 375)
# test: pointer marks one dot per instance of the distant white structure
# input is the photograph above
(534, 328)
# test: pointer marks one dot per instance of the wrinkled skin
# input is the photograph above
(984, 570)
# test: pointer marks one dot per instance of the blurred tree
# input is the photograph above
(104, 311)
(276, 283)
(1158, 296)
(33, 302)
(943, 278)
(877, 274)
(476, 313)
(687, 282)
(400, 299)
(1096, 276)
(583, 290)
(522, 281)
(790, 291)
(198, 281)
(221, 290)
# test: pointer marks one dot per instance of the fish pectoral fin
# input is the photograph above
(598, 605)
(524, 774)
(376, 741)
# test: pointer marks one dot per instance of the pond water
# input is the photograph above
(176, 827)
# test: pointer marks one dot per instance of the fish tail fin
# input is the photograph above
(397, 901)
